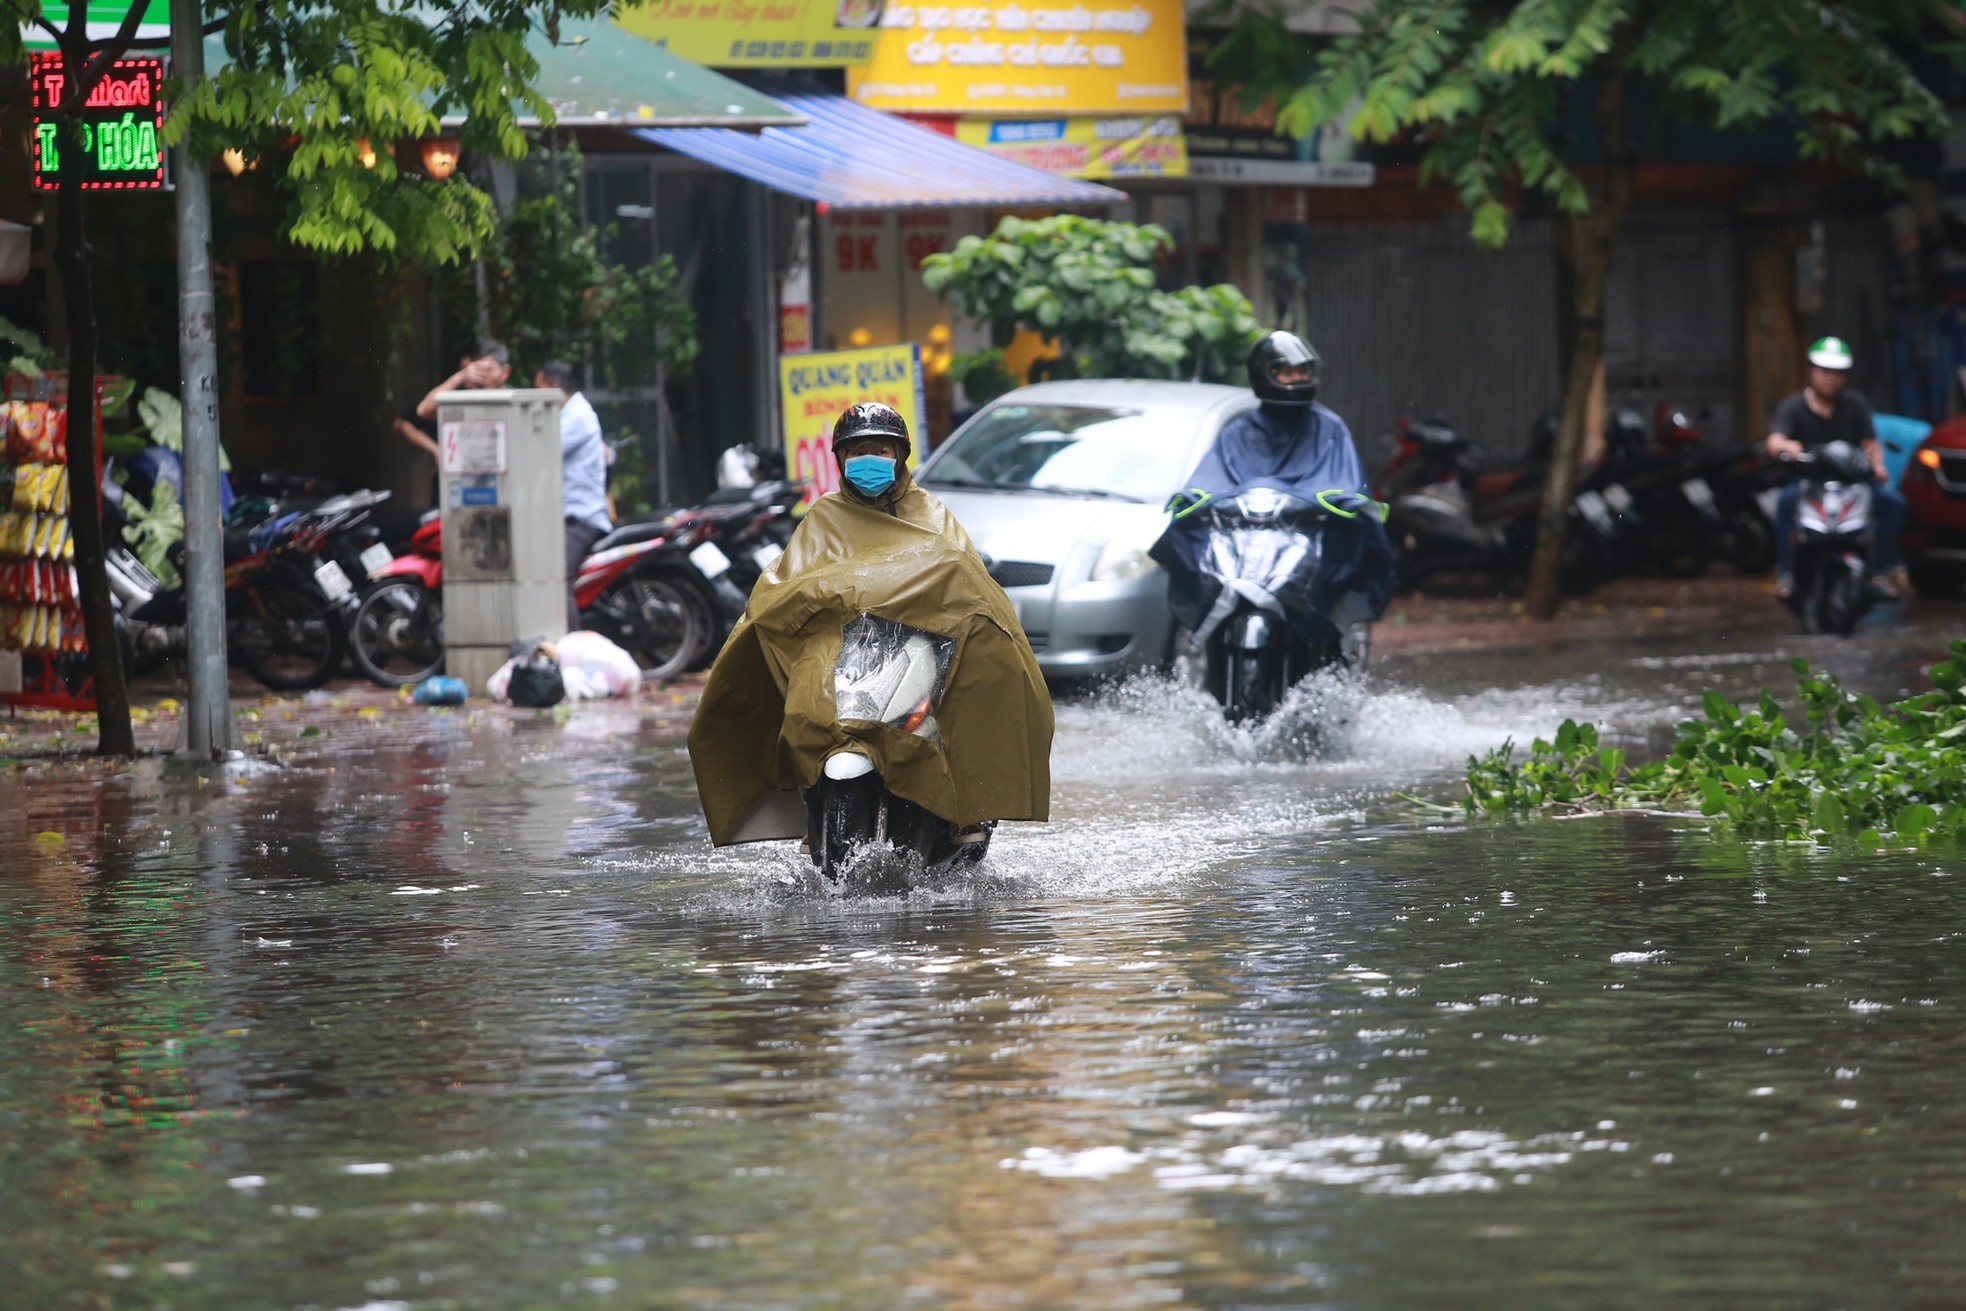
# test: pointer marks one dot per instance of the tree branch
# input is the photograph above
(109, 51)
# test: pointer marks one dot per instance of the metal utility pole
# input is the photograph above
(207, 727)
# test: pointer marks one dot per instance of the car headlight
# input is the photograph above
(1124, 556)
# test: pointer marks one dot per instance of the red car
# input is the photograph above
(1935, 496)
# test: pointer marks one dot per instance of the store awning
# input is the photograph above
(601, 76)
(850, 157)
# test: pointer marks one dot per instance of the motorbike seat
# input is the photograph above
(629, 534)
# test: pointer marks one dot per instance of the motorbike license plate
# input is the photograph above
(1700, 494)
(377, 557)
(768, 555)
(1592, 507)
(710, 560)
(332, 580)
(1618, 498)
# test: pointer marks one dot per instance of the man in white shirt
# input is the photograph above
(584, 474)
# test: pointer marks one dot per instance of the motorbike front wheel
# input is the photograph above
(849, 815)
(660, 616)
(1254, 687)
(1838, 598)
(397, 635)
(290, 640)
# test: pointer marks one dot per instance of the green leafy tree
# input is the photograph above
(1487, 87)
(345, 81)
(1089, 284)
(554, 293)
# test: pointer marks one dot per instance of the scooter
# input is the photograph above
(1276, 610)
(1833, 539)
(281, 594)
(1448, 517)
(1671, 524)
(857, 831)
(643, 586)
(750, 525)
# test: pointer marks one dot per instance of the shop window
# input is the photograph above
(621, 205)
(280, 328)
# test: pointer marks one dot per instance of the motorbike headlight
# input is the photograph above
(1124, 556)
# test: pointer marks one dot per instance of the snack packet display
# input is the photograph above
(30, 423)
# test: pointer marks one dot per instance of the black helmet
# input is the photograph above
(1626, 434)
(1276, 351)
(872, 419)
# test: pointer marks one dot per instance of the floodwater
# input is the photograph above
(482, 1022)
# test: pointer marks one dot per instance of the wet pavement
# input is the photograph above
(462, 1011)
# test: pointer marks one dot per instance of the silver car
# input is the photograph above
(1064, 487)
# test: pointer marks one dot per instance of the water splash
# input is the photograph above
(1362, 726)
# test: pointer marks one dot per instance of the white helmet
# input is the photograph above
(1831, 353)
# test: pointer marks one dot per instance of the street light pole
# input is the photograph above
(208, 728)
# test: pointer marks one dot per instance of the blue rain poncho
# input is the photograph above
(1299, 449)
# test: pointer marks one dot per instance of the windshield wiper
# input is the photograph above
(1099, 493)
(983, 485)
(972, 484)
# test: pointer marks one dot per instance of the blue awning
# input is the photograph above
(850, 157)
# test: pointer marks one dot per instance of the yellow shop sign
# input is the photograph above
(760, 33)
(1085, 147)
(1028, 57)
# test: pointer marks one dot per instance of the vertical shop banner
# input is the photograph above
(1081, 57)
(760, 33)
(815, 389)
(1094, 148)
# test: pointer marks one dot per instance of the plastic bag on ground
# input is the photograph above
(591, 669)
(591, 653)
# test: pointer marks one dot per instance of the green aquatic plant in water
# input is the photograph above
(1855, 769)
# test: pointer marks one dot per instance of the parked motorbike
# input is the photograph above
(396, 635)
(1447, 516)
(280, 594)
(640, 587)
(891, 674)
(1833, 538)
(749, 525)
(1281, 589)
(1668, 521)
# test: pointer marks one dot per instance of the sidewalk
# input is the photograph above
(1423, 624)
(295, 727)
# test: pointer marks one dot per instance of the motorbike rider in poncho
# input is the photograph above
(883, 552)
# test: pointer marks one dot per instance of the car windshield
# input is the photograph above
(1091, 449)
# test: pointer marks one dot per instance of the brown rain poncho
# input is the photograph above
(766, 723)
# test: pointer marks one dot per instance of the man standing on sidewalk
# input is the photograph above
(584, 474)
(487, 367)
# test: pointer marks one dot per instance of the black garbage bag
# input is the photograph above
(536, 681)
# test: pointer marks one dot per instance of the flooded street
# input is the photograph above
(481, 1021)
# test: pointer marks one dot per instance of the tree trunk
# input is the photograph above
(1590, 236)
(114, 736)
(1590, 243)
